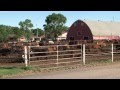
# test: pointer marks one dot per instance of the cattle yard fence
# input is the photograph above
(59, 55)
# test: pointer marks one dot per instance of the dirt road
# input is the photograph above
(98, 72)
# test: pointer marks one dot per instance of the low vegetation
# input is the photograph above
(9, 71)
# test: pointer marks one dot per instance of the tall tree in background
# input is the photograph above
(3, 33)
(26, 26)
(17, 32)
(38, 31)
(54, 25)
(8, 32)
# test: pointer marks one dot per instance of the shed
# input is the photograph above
(79, 30)
(94, 30)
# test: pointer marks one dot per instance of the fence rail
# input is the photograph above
(60, 53)
(55, 55)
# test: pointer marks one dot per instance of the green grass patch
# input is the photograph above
(8, 71)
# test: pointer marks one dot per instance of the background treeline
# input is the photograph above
(53, 27)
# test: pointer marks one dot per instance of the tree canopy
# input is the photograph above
(25, 25)
(38, 31)
(54, 25)
(8, 32)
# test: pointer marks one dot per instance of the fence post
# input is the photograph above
(29, 54)
(112, 52)
(84, 54)
(57, 55)
(81, 52)
(25, 53)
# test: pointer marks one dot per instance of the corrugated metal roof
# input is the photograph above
(103, 27)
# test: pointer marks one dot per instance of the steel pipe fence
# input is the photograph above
(58, 55)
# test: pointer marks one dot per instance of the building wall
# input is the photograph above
(62, 37)
(106, 37)
(22, 39)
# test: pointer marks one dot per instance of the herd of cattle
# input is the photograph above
(17, 49)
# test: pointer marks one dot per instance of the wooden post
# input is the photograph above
(29, 54)
(84, 54)
(57, 55)
(112, 52)
(25, 53)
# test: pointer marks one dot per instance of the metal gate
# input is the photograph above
(54, 55)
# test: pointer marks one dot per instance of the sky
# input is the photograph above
(12, 18)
